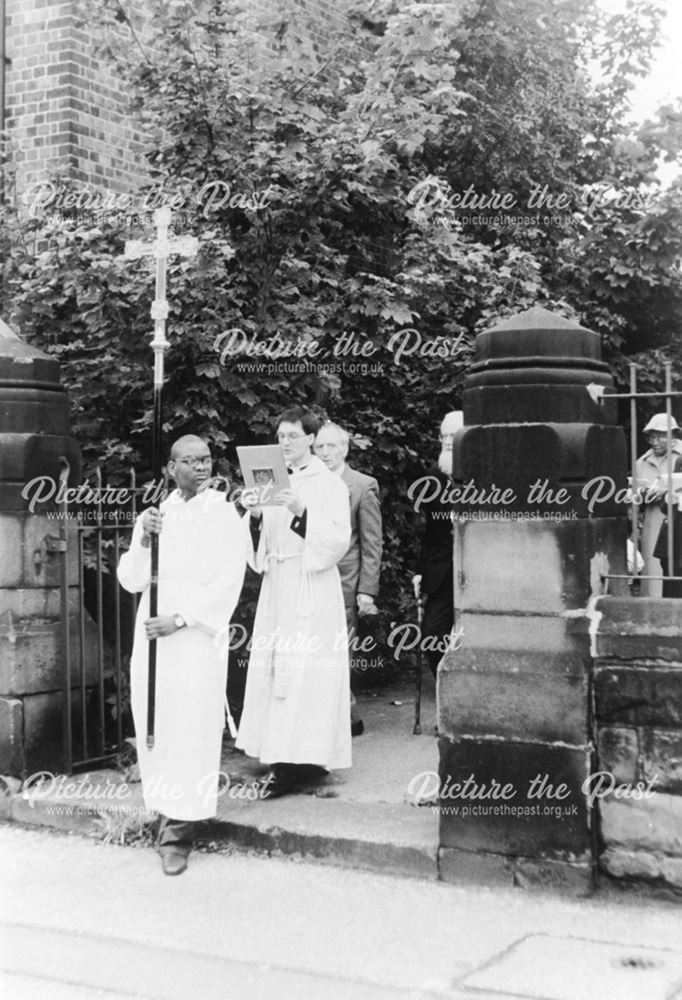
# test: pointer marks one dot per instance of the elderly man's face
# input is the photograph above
(330, 448)
(658, 441)
(448, 428)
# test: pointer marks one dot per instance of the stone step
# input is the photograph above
(390, 838)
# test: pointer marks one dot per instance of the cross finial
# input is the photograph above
(160, 250)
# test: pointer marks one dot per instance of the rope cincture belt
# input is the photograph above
(305, 603)
(304, 609)
(281, 667)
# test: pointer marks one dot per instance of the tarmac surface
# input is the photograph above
(258, 916)
(79, 919)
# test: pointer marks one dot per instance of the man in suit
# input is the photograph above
(360, 566)
(434, 578)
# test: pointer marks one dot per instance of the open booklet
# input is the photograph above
(264, 470)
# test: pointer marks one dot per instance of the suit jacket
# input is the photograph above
(360, 566)
(435, 559)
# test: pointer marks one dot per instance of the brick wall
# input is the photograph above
(638, 700)
(68, 113)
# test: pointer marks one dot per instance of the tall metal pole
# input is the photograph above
(3, 91)
(416, 731)
(160, 250)
(669, 469)
(159, 345)
(634, 509)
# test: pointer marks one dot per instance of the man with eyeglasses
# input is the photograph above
(433, 581)
(296, 715)
(202, 560)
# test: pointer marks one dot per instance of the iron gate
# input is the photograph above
(97, 619)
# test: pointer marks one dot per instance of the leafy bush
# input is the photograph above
(320, 145)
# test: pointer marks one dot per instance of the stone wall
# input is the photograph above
(34, 440)
(638, 701)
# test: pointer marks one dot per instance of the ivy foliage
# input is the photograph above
(320, 167)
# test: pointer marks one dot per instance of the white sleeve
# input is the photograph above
(327, 535)
(134, 567)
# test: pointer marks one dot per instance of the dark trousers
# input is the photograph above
(671, 588)
(176, 835)
(439, 617)
(352, 629)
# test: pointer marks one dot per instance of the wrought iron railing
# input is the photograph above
(639, 489)
(97, 620)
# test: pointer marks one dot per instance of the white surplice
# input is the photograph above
(202, 559)
(297, 699)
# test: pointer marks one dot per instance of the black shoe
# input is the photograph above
(275, 784)
(357, 727)
(173, 860)
(309, 772)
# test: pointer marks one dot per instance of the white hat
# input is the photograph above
(659, 423)
(452, 422)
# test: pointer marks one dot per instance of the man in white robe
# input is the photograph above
(296, 713)
(202, 559)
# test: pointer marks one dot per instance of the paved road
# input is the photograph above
(80, 920)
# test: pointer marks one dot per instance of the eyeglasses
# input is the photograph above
(294, 436)
(196, 463)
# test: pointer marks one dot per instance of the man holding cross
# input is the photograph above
(202, 559)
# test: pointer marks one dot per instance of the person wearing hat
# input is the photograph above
(652, 469)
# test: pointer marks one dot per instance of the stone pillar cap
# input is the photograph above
(538, 318)
(537, 338)
(12, 346)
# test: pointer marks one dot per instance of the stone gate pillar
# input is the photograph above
(514, 698)
(34, 435)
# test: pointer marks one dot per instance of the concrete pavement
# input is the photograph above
(359, 818)
(80, 920)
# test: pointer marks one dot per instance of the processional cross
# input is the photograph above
(160, 250)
